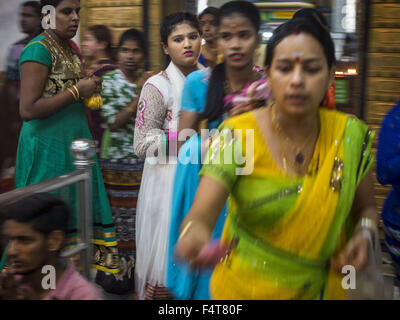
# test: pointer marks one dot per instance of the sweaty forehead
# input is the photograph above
(207, 18)
(14, 228)
(235, 21)
(298, 45)
(28, 10)
(69, 4)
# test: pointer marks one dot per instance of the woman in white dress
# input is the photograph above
(155, 139)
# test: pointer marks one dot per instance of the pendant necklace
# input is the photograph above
(299, 158)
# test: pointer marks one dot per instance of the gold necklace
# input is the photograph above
(299, 160)
(69, 60)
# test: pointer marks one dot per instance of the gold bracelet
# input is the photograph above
(185, 230)
(73, 93)
(77, 91)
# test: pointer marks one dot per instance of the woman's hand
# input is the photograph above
(355, 253)
(192, 240)
(89, 86)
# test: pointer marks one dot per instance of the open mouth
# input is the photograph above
(236, 56)
(188, 53)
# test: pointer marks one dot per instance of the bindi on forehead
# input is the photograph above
(297, 56)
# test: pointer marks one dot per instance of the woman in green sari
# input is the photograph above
(52, 89)
(303, 192)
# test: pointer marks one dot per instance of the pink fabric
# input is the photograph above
(253, 91)
(72, 286)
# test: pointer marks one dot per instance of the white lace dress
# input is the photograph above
(157, 115)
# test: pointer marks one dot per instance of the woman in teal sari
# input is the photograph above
(52, 87)
(204, 98)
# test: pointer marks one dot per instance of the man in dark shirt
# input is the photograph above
(10, 121)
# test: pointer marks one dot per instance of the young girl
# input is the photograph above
(156, 127)
(97, 51)
(205, 90)
(290, 219)
(121, 168)
(208, 19)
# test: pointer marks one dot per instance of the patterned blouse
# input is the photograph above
(154, 117)
(117, 94)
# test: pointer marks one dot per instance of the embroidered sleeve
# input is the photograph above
(151, 112)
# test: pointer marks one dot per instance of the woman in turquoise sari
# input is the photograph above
(204, 97)
(52, 89)
(303, 187)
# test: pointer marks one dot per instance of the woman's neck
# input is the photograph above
(211, 44)
(187, 70)
(61, 41)
(101, 55)
(297, 127)
(132, 77)
(238, 78)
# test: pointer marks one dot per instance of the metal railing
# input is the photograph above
(83, 151)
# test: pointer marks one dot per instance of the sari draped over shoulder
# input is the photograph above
(287, 228)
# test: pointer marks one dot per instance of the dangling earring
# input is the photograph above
(329, 101)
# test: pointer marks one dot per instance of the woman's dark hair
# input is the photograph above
(210, 10)
(35, 5)
(43, 211)
(170, 22)
(310, 13)
(134, 35)
(214, 107)
(102, 34)
(307, 24)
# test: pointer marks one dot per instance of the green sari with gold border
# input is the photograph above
(44, 149)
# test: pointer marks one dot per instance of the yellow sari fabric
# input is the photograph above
(290, 259)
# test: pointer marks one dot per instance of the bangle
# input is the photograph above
(73, 93)
(185, 230)
(367, 223)
(77, 92)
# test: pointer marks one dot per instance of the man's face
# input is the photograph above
(29, 20)
(27, 250)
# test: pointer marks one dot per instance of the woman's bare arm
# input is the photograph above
(187, 120)
(199, 223)
(33, 80)
(126, 115)
(364, 206)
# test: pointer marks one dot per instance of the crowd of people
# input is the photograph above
(213, 179)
